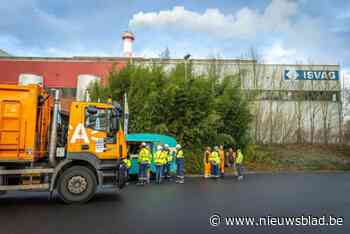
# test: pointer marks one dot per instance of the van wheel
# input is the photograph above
(77, 184)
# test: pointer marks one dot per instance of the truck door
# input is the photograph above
(101, 132)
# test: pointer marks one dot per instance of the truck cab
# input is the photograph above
(73, 154)
(94, 129)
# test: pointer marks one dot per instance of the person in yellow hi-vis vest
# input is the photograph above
(127, 163)
(144, 162)
(180, 164)
(214, 160)
(207, 167)
(160, 160)
(239, 164)
(169, 159)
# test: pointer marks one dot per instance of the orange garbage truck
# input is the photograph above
(72, 154)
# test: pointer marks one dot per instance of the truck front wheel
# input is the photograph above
(77, 184)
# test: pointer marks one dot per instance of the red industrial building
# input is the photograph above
(57, 72)
(63, 73)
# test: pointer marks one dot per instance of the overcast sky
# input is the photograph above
(282, 31)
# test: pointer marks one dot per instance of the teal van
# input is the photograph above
(134, 141)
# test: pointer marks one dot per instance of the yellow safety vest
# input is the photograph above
(180, 154)
(160, 158)
(214, 157)
(239, 157)
(127, 162)
(145, 156)
(169, 157)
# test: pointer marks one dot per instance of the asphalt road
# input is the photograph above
(172, 208)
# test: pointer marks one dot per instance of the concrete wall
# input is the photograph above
(304, 111)
(296, 121)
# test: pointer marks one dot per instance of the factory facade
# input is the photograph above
(290, 103)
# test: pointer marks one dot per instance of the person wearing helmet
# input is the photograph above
(160, 159)
(207, 168)
(144, 161)
(214, 160)
(148, 173)
(169, 158)
(180, 164)
(239, 164)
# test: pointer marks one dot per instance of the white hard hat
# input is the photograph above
(178, 146)
(159, 147)
(166, 146)
(143, 144)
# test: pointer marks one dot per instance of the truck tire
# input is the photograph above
(77, 184)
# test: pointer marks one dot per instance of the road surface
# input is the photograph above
(172, 208)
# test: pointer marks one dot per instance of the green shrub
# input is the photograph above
(194, 162)
(197, 109)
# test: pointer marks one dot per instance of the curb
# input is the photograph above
(275, 172)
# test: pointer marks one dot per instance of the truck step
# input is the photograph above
(109, 174)
(27, 171)
(25, 187)
(109, 186)
(108, 166)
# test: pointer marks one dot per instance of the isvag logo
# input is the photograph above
(292, 74)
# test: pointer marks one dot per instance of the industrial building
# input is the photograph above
(292, 103)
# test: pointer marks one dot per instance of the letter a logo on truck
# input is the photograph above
(80, 134)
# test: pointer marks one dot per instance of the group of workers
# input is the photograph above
(215, 161)
(163, 158)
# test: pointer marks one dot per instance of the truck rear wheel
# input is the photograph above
(77, 185)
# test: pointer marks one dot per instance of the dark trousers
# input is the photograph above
(215, 170)
(159, 172)
(166, 170)
(143, 169)
(180, 164)
(240, 169)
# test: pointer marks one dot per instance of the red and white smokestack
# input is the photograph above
(128, 39)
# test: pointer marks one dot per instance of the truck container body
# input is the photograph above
(23, 123)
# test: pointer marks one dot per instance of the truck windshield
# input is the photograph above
(100, 120)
